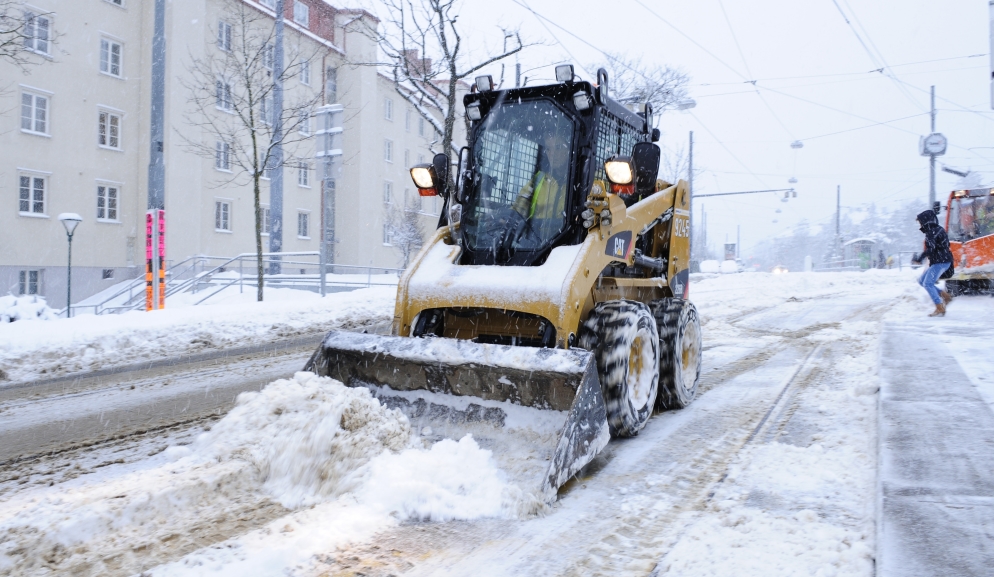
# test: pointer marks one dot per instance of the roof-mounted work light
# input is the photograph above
(473, 111)
(484, 83)
(564, 73)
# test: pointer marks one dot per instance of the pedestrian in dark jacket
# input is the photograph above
(940, 260)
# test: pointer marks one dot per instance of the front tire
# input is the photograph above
(625, 342)
(679, 329)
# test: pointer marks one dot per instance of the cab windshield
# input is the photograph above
(971, 217)
(518, 196)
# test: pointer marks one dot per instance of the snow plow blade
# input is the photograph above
(539, 410)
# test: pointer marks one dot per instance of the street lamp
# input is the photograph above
(686, 104)
(70, 220)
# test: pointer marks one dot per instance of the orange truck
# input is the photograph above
(970, 227)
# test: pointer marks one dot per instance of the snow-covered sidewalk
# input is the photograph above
(31, 350)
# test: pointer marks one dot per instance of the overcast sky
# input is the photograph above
(814, 78)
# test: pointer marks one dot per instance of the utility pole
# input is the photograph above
(154, 268)
(931, 159)
(931, 146)
(276, 184)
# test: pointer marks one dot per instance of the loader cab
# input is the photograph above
(532, 158)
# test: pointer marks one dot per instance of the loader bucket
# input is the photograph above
(539, 410)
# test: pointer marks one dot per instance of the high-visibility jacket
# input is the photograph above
(547, 198)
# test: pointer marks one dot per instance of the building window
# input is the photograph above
(222, 92)
(305, 122)
(224, 36)
(222, 156)
(388, 150)
(387, 235)
(29, 282)
(107, 196)
(387, 192)
(330, 85)
(107, 274)
(269, 57)
(407, 120)
(302, 230)
(421, 159)
(34, 113)
(222, 215)
(266, 110)
(31, 194)
(271, 4)
(301, 13)
(110, 57)
(36, 32)
(421, 126)
(304, 174)
(117, 3)
(266, 226)
(305, 72)
(388, 109)
(407, 158)
(109, 130)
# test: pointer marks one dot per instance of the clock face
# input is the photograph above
(935, 143)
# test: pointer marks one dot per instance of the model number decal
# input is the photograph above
(681, 227)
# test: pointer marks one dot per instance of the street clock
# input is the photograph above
(932, 145)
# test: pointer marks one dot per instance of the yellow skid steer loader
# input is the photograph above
(549, 311)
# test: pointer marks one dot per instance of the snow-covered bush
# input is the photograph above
(24, 308)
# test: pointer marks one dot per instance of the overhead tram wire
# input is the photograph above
(878, 58)
(524, 3)
(749, 71)
(867, 126)
(722, 144)
(860, 73)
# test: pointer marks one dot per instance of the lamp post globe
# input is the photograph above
(70, 220)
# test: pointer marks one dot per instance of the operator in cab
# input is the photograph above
(544, 197)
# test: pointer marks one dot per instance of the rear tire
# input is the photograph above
(954, 288)
(679, 329)
(624, 339)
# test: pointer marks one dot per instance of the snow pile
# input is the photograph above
(729, 266)
(305, 435)
(452, 480)
(24, 308)
(308, 443)
(30, 351)
(710, 266)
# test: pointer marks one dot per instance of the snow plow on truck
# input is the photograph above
(548, 312)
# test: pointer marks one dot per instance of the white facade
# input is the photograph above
(74, 137)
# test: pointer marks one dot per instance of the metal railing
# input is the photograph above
(214, 274)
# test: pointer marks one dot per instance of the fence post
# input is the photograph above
(240, 275)
(369, 277)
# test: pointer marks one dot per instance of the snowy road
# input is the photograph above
(55, 416)
(770, 472)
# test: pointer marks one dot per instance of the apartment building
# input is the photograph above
(74, 137)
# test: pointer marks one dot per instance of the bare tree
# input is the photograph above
(633, 81)
(405, 228)
(21, 32)
(231, 101)
(424, 51)
(674, 164)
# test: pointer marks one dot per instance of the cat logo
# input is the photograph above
(619, 245)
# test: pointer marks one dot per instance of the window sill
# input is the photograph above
(109, 220)
(225, 110)
(227, 170)
(303, 237)
(223, 231)
(303, 185)
(387, 244)
(116, 77)
(33, 133)
(111, 148)
(34, 214)
(39, 52)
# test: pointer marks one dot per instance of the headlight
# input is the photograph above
(421, 175)
(619, 170)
